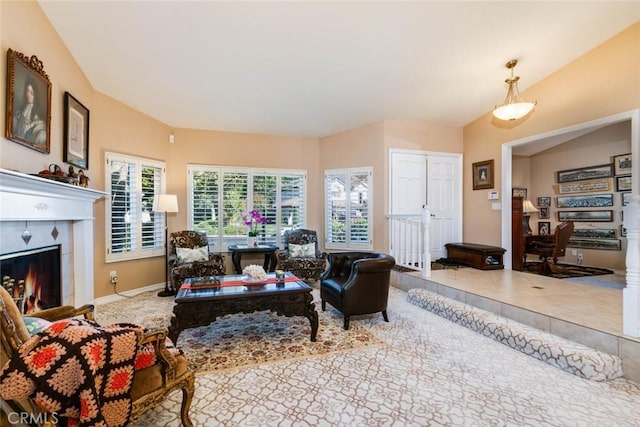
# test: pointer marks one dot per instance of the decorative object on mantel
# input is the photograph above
(55, 173)
(54, 232)
(28, 102)
(83, 180)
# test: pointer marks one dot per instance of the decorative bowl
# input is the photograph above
(251, 281)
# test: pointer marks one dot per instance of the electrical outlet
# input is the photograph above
(574, 252)
(113, 276)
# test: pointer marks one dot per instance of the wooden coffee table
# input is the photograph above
(197, 306)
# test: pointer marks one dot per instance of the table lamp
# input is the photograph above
(166, 203)
(527, 210)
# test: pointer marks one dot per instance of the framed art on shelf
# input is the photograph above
(544, 201)
(483, 175)
(543, 212)
(586, 216)
(623, 183)
(544, 228)
(622, 164)
(519, 192)
(588, 172)
(76, 132)
(28, 120)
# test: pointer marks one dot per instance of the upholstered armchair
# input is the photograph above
(189, 256)
(357, 283)
(153, 380)
(301, 255)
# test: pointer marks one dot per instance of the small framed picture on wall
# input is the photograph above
(544, 213)
(544, 201)
(544, 228)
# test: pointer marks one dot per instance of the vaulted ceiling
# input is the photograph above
(318, 68)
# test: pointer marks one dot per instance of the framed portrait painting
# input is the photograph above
(483, 175)
(28, 120)
(76, 132)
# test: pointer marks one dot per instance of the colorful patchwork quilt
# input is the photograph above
(78, 369)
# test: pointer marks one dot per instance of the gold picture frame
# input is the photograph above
(28, 120)
(483, 175)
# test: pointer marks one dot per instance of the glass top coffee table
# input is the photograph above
(200, 301)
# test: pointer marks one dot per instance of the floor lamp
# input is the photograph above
(166, 203)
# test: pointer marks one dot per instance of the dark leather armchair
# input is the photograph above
(212, 264)
(554, 250)
(308, 265)
(357, 283)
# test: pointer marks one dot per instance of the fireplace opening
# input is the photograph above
(33, 278)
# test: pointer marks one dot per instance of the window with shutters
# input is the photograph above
(219, 197)
(348, 205)
(133, 230)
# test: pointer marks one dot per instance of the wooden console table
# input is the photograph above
(269, 251)
(483, 257)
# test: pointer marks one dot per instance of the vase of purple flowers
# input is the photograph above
(253, 219)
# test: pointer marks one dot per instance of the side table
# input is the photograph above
(269, 251)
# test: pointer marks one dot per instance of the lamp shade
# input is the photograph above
(513, 107)
(528, 208)
(166, 203)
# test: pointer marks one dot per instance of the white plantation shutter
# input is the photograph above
(348, 209)
(219, 197)
(204, 202)
(133, 230)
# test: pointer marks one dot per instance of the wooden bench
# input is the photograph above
(474, 255)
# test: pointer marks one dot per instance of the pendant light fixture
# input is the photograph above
(513, 107)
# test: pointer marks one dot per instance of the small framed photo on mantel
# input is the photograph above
(76, 132)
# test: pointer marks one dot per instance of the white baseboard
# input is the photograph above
(131, 293)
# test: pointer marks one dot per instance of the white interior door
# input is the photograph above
(408, 183)
(435, 180)
(444, 198)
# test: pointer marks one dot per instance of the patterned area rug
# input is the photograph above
(243, 340)
(564, 271)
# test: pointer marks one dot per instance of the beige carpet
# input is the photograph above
(430, 372)
(243, 340)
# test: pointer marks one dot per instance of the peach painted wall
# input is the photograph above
(595, 148)
(360, 147)
(118, 128)
(219, 148)
(604, 81)
(369, 145)
(40, 40)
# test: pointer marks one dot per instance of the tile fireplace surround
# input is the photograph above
(39, 205)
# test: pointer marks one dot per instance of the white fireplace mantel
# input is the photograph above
(30, 198)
